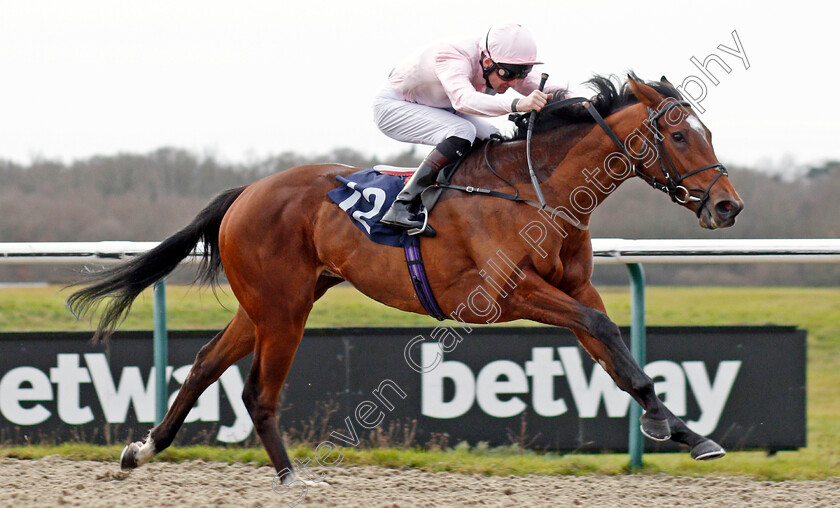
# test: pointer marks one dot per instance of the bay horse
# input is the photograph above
(282, 244)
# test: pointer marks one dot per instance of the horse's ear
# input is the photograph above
(665, 80)
(646, 95)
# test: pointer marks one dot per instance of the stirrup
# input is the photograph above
(426, 230)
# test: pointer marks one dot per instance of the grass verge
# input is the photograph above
(816, 310)
(479, 460)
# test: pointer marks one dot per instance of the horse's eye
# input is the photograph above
(678, 137)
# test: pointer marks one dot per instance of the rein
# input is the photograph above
(531, 121)
(540, 204)
(678, 193)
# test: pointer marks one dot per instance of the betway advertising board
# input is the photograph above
(742, 386)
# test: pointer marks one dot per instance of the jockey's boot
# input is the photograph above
(400, 214)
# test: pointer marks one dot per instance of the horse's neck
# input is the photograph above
(572, 163)
(592, 169)
(509, 159)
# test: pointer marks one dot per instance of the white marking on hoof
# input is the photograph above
(293, 477)
(312, 483)
(289, 478)
(122, 455)
(146, 451)
(279, 484)
(128, 457)
(138, 453)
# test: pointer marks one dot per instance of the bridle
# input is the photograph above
(673, 179)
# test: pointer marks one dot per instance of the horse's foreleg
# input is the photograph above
(601, 338)
(701, 447)
(230, 345)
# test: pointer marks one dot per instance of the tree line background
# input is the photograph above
(147, 197)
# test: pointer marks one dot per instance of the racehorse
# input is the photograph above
(283, 244)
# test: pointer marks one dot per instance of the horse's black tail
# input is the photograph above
(125, 282)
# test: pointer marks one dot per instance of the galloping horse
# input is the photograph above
(283, 244)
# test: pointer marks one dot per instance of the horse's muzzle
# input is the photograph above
(721, 213)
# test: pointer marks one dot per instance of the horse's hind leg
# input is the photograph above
(230, 345)
(277, 342)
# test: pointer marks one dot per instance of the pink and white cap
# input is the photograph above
(510, 44)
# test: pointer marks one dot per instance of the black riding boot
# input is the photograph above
(400, 215)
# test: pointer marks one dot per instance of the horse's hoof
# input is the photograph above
(707, 450)
(138, 453)
(128, 457)
(658, 430)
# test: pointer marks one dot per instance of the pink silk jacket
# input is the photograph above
(449, 75)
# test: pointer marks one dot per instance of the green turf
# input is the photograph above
(816, 310)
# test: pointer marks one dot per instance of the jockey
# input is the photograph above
(436, 96)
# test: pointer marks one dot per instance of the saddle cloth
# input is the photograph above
(366, 195)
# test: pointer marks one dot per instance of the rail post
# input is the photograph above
(638, 338)
(160, 350)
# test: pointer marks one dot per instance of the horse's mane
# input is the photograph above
(609, 98)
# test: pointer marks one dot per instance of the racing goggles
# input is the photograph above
(509, 72)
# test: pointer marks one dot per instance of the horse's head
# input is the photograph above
(683, 163)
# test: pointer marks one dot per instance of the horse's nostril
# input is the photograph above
(726, 209)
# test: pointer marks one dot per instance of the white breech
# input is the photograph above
(426, 125)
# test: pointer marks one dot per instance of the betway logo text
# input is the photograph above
(588, 391)
(21, 386)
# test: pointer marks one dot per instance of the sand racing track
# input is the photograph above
(55, 481)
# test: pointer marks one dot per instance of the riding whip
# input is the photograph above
(531, 120)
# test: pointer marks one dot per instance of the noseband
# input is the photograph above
(673, 179)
